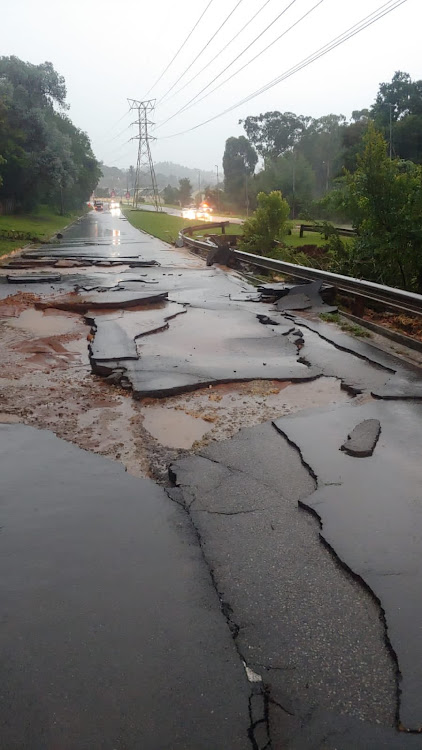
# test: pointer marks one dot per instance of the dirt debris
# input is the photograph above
(46, 381)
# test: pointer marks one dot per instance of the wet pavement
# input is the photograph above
(111, 633)
(326, 621)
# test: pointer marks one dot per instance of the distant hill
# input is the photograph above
(167, 173)
(177, 171)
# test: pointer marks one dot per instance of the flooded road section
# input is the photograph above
(138, 351)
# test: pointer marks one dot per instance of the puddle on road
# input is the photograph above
(45, 323)
(173, 428)
(194, 419)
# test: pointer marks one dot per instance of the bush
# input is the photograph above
(268, 224)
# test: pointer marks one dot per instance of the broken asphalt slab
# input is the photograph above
(206, 346)
(305, 297)
(33, 278)
(115, 335)
(371, 517)
(363, 438)
(111, 631)
(302, 621)
(106, 300)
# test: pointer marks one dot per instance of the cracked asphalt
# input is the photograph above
(266, 595)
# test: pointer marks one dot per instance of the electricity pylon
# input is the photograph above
(144, 164)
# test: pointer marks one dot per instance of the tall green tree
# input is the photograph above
(402, 100)
(185, 191)
(384, 198)
(239, 162)
(292, 175)
(274, 133)
(44, 157)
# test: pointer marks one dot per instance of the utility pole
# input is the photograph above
(246, 194)
(144, 162)
(391, 129)
(199, 183)
(218, 191)
(294, 183)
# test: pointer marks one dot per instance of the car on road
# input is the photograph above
(203, 212)
(98, 206)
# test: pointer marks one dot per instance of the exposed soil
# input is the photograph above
(46, 381)
(410, 325)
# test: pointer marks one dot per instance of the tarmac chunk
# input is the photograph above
(362, 440)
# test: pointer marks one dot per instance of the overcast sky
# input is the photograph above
(108, 51)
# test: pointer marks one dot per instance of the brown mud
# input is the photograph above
(46, 381)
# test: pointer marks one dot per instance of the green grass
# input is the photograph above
(166, 226)
(309, 238)
(7, 246)
(351, 328)
(39, 225)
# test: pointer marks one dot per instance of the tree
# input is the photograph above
(239, 162)
(267, 225)
(170, 194)
(402, 100)
(384, 198)
(292, 175)
(45, 158)
(185, 191)
(403, 94)
(274, 133)
(321, 145)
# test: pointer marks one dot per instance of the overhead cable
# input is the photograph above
(220, 52)
(195, 99)
(202, 50)
(339, 40)
(180, 49)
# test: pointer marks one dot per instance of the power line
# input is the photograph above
(202, 50)
(192, 101)
(379, 13)
(337, 41)
(180, 48)
(222, 50)
(113, 137)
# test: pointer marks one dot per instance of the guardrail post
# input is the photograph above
(223, 227)
(358, 306)
(301, 231)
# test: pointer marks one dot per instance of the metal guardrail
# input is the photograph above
(359, 288)
(339, 230)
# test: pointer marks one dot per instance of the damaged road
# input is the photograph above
(308, 562)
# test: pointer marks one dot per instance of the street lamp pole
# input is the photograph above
(391, 129)
(218, 192)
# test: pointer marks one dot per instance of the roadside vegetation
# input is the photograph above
(17, 230)
(44, 159)
(166, 226)
(351, 328)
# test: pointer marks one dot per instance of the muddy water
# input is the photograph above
(174, 428)
(193, 419)
(44, 323)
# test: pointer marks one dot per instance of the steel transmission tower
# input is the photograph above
(144, 164)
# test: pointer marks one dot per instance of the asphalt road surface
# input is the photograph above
(267, 595)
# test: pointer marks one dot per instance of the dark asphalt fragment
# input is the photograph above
(362, 440)
(32, 278)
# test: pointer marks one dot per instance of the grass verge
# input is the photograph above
(39, 225)
(351, 328)
(166, 226)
